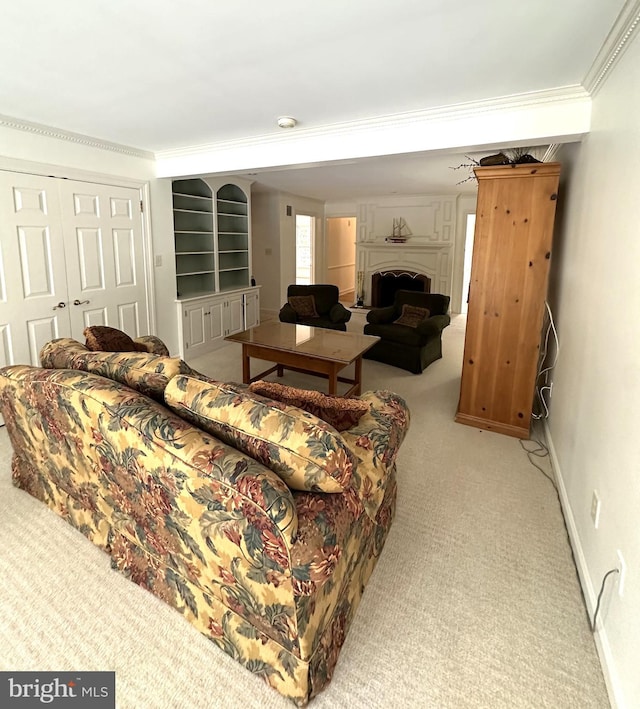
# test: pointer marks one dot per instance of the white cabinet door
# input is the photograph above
(195, 327)
(202, 326)
(105, 257)
(233, 314)
(34, 304)
(251, 310)
(215, 312)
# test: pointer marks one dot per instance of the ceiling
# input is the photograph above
(162, 76)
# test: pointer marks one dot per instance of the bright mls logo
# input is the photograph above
(58, 689)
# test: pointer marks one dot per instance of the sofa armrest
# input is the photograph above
(288, 314)
(433, 325)
(339, 313)
(152, 344)
(375, 441)
(379, 316)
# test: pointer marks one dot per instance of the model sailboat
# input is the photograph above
(400, 231)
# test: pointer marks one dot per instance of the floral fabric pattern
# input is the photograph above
(146, 372)
(339, 411)
(307, 453)
(375, 441)
(272, 576)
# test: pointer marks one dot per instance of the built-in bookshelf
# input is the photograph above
(212, 245)
(233, 237)
(193, 224)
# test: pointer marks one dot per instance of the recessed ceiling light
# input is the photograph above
(287, 122)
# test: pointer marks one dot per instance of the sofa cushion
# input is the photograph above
(145, 372)
(412, 315)
(339, 411)
(304, 305)
(307, 453)
(101, 338)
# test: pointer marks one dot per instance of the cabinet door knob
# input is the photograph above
(61, 304)
(80, 302)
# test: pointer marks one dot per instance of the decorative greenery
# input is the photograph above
(508, 156)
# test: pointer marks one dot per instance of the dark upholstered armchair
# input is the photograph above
(409, 346)
(330, 312)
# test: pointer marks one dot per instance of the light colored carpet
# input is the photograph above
(474, 603)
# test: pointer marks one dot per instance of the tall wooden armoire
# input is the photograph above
(509, 274)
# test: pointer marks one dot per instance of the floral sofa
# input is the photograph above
(149, 460)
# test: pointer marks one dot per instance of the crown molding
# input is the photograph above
(393, 121)
(614, 45)
(77, 138)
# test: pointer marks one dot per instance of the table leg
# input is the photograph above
(246, 366)
(333, 381)
(357, 377)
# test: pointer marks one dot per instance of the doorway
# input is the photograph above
(468, 255)
(305, 238)
(341, 256)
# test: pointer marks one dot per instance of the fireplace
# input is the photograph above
(384, 284)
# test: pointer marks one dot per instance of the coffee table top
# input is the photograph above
(318, 342)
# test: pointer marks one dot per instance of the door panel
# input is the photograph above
(89, 253)
(33, 281)
(103, 228)
(94, 316)
(5, 346)
(216, 316)
(128, 316)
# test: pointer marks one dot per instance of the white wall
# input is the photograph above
(265, 235)
(22, 150)
(596, 385)
(274, 230)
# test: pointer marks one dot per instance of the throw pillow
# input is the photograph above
(339, 411)
(412, 316)
(304, 305)
(304, 451)
(100, 338)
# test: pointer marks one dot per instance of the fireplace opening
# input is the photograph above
(384, 284)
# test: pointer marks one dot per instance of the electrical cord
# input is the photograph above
(604, 580)
(543, 372)
(542, 451)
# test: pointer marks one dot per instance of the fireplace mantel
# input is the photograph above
(432, 260)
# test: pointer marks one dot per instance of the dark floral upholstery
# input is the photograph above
(272, 576)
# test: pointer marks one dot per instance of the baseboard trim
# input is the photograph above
(601, 640)
(494, 426)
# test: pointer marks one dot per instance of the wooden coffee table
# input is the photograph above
(311, 350)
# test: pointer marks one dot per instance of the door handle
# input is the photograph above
(61, 304)
(80, 302)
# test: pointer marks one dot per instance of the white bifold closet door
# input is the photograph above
(71, 255)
